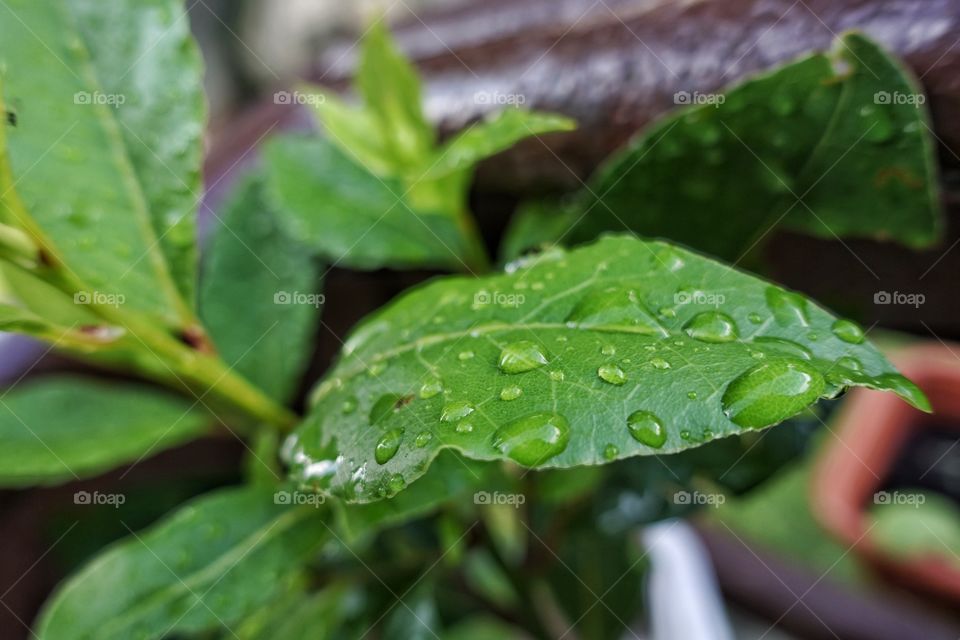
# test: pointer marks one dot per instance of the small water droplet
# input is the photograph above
(377, 368)
(423, 439)
(848, 331)
(788, 307)
(646, 428)
(510, 393)
(612, 373)
(455, 411)
(850, 363)
(755, 318)
(771, 392)
(685, 435)
(349, 406)
(557, 375)
(388, 445)
(431, 388)
(534, 439)
(783, 345)
(465, 355)
(395, 483)
(712, 326)
(610, 452)
(521, 356)
(692, 395)
(608, 350)
(659, 363)
(464, 426)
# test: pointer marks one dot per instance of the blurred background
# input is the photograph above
(791, 557)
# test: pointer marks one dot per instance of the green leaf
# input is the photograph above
(489, 138)
(61, 428)
(620, 348)
(390, 88)
(482, 627)
(350, 216)
(259, 294)
(350, 127)
(124, 155)
(209, 564)
(537, 225)
(325, 613)
(718, 176)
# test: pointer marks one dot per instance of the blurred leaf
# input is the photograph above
(350, 216)
(537, 225)
(259, 295)
(616, 349)
(415, 617)
(919, 524)
(484, 139)
(209, 564)
(480, 627)
(350, 127)
(124, 155)
(56, 429)
(717, 176)
(324, 613)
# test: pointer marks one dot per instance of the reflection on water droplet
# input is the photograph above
(557, 375)
(464, 426)
(755, 318)
(788, 307)
(510, 393)
(423, 439)
(848, 331)
(534, 439)
(388, 445)
(608, 350)
(610, 452)
(454, 411)
(521, 356)
(646, 428)
(692, 395)
(612, 373)
(771, 392)
(712, 326)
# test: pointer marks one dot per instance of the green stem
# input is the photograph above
(478, 263)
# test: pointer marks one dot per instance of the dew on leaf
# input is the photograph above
(610, 452)
(612, 373)
(850, 363)
(646, 428)
(423, 439)
(608, 350)
(377, 368)
(464, 426)
(395, 483)
(788, 308)
(692, 395)
(614, 307)
(659, 363)
(533, 439)
(465, 355)
(455, 411)
(712, 326)
(556, 375)
(430, 388)
(771, 392)
(848, 331)
(755, 318)
(388, 445)
(784, 346)
(349, 406)
(510, 393)
(521, 356)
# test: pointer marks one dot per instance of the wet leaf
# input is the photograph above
(702, 351)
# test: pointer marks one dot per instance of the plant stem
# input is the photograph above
(477, 261)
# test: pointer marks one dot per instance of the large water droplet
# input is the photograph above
(848, 331)
(615, 307)
(430, 388)
(521, 356)
(712, 326)
(646, 428)
(388, 445)
(534, 439)
(455, 411)
(771, 392)
(788, 307)
(612, 373)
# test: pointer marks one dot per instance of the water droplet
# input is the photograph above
(647, 429)
(788, 307)
(464, 426)
(465, 355)
(522, 356)
(615, 307)
(557, 375)
(423, 439)
(349, 406)
(395, 483)
(848, 331)
(685, 435)
(783, 345)
(388, 445)
(612, 373)
(610, 452)
(813, 336)
(771, 392)
(879, 128)
(692, 395)
(377, 368)
(608, 350)
(659, 363)
(755, 318)
(455, 411)
(534, 439)
(712, 326)
(850, 363)
(430, 388)
(510, 393)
